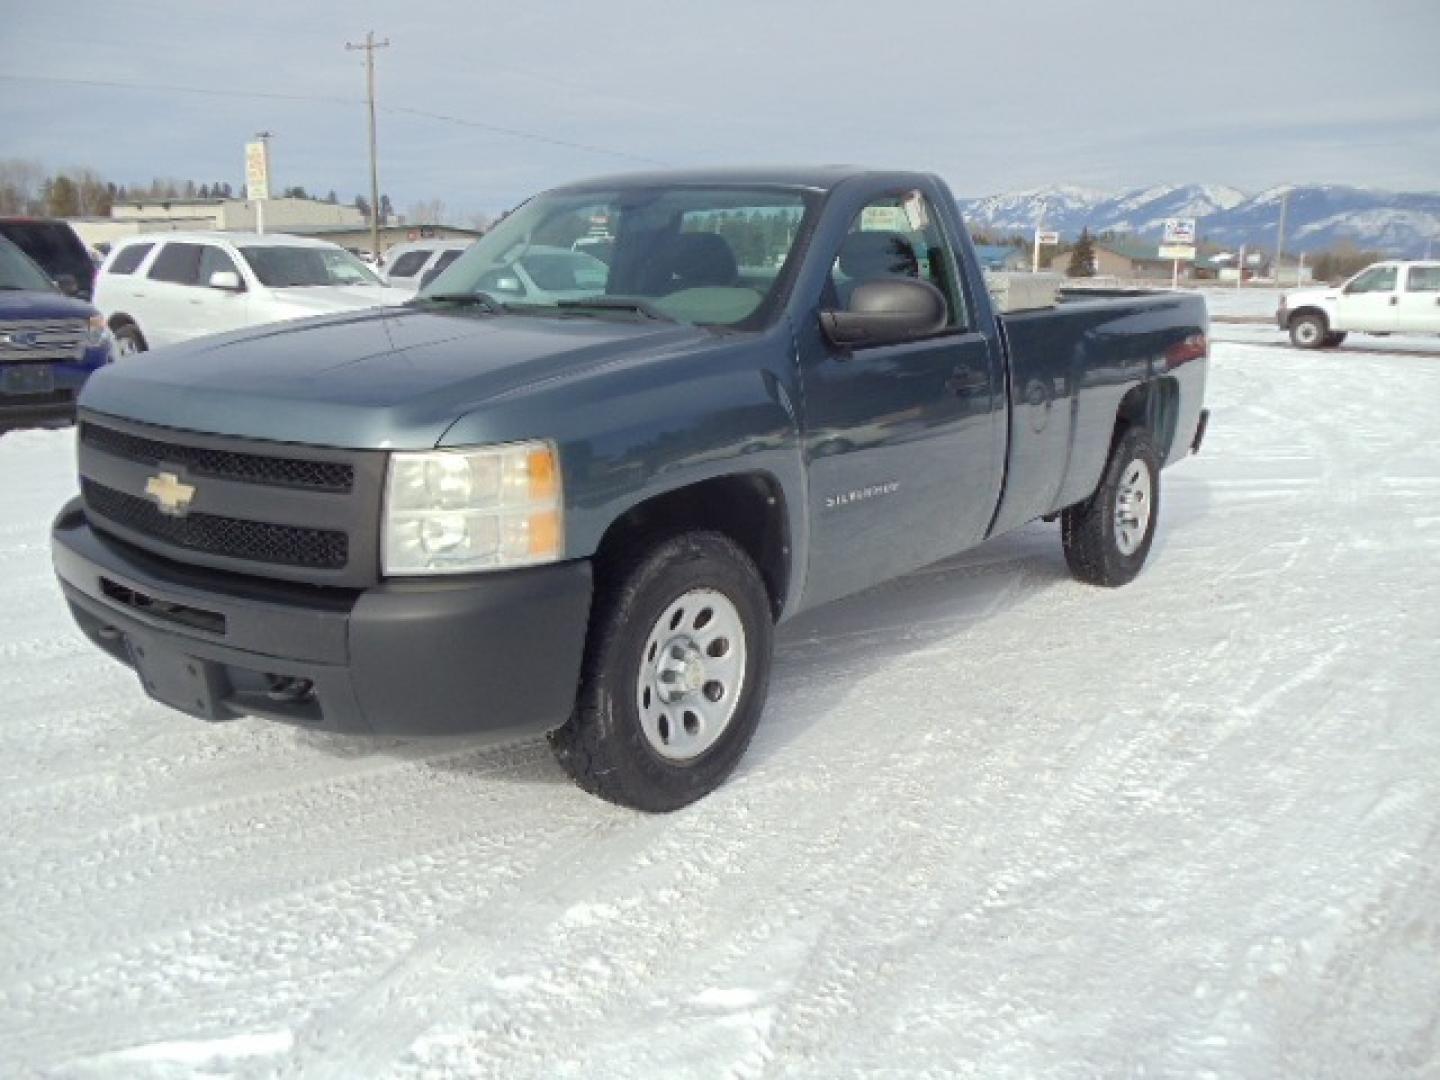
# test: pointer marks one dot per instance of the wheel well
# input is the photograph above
(749, 508)
(1155, 406)
(1298, 312)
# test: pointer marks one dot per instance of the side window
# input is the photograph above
(130, 258)
(214, 261)
(177, 263)
(1423, 279)
(898, 236)
(1377, 279)
(409, 264)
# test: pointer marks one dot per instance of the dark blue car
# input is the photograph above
(49, 343)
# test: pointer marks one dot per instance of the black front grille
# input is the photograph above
(236, 538)
(221, 464)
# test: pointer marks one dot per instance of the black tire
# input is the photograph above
(1308, 331)
(603, 745)
(128, 339)
(1335, 340)
(1088, 530)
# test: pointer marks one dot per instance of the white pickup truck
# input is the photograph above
(1386, 298)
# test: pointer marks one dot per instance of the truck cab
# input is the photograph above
(1385, 298)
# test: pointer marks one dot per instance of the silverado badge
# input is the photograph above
(170, 495)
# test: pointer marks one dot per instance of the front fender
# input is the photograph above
(633, 432)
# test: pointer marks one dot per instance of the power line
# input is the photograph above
(498, 129)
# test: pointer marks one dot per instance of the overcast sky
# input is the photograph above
(995, 96)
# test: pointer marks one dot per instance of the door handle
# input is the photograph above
(1394, 300)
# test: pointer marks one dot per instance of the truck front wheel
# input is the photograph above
(676, 670)
(1108, 536)
(1308, 331)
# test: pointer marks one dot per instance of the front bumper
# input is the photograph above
(58, 403)
(488, 652)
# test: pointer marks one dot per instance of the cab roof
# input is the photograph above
(813, 177)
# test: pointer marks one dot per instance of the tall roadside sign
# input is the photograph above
(257, 176)
(1178, 245)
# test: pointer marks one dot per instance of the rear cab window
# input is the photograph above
(1424, 279)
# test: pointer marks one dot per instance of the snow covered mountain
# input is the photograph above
(1319, 216)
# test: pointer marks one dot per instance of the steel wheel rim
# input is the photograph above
(1307, 332)
(692, 673)
(125, 345)
(1133, 503)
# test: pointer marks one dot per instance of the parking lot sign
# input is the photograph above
(1179, 230)
(257, 170)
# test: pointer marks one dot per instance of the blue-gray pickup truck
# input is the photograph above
(570, 494)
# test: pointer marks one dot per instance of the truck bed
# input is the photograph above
(1070, 367)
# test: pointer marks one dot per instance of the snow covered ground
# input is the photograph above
(995, 823)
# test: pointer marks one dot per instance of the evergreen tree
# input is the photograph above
(330, 198)
(1082, 258)
(363, 205)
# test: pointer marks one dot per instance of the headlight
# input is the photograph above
(458, 511)
(96, 332)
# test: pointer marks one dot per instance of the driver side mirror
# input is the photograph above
(885, 312)
(67, 284)
(228, 280)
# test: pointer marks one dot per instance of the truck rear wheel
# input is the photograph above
(676, 671)
(1108, 537)
(1308, 331)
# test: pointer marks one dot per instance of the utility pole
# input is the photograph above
(369, 46)
(1280, 235)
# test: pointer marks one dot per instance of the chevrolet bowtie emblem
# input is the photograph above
(170, 495)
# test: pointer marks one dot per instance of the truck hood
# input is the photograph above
(323, 299)
(35, 304)
(1294, 298)
(380, 378)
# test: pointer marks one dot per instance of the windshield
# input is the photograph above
(299, 267)
(19, 273)
(709, 256)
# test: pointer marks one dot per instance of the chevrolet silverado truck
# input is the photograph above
(1386, 298)
(583, 514)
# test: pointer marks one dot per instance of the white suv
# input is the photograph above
(1387, 298)
(164, 288)
(414, 265)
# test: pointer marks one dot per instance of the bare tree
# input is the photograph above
(20, 181)
(429, 212)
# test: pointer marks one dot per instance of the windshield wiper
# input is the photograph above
(616, 303)
(482, 299)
